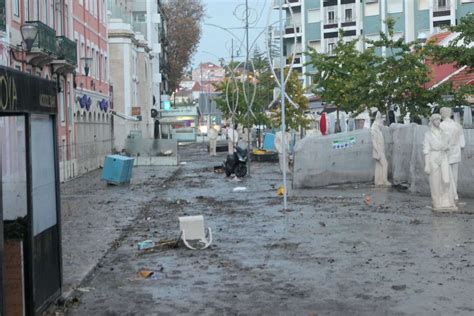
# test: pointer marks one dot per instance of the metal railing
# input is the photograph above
(46, 38)
(67, 49)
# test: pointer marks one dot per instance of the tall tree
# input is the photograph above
(402, 75)
(342, 78)
(459, 50)
(184, 32)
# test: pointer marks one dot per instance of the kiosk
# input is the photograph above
(29, 190)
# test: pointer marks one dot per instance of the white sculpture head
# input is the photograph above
(435, 120)
(378, 120)
(446, 113)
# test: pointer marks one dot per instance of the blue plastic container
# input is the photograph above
(269, 142)
(117, 169)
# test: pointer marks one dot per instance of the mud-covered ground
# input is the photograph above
(334, 252)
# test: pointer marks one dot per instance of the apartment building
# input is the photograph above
(137, 43)
(316, 23)
(92, 132)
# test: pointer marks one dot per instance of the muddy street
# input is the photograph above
(334, 252)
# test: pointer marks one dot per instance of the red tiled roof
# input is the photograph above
(437, 38)
(443, 72)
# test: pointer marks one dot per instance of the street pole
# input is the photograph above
(283, 127)
(246, 78)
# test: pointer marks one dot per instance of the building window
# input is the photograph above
(442, 3)
(62, 104)
(331, 17)
(314, 16)
(330, 48)
(16, 8)
(348, 15)
(27, 10)
(106, 74)
(45, 12)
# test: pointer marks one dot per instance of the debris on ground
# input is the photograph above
(85, 289)
(162, 244)
(146, 244)
(415, 221)
(322, 224)
(239, 189)
(145, 274)
(219, 169)
(399, 287)
(280, 190)
(368, 200)
(183, 163)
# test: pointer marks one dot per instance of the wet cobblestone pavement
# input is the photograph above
(332, 253)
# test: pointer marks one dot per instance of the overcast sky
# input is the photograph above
(215, 42)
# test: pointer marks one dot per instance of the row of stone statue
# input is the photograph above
(442, 151)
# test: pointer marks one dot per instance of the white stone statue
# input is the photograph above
(436, 149)
(212, 134)
(281, 151)
(232, 139)
(378, 152)
(456, 143)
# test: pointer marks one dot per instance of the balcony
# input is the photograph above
(286, 3)
(67, 55)
(44, 48)
(293, 30)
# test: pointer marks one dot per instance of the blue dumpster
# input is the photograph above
(117, 169)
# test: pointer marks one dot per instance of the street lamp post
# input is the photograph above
(29, 33)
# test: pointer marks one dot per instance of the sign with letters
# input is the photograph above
(21, 92)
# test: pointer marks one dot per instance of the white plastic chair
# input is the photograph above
(192, 229)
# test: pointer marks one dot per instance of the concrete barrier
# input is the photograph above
(319, 163)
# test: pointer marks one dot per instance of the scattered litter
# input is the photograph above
(280, 190)
(148, 219)
(323, 224)
(415, 221)
(235, 179)
(368, 200)
(145, 274)
(162, 244)
(219, 169)
(85, 289)
(167, 153)
(399, 287)
(183, 163)
(146, 244)
(239, 189)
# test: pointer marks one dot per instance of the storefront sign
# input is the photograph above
(21, 92)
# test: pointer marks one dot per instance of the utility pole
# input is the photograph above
(283, 127)
(249, 129)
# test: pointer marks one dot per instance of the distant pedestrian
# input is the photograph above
(212, 135)
(232, 139)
